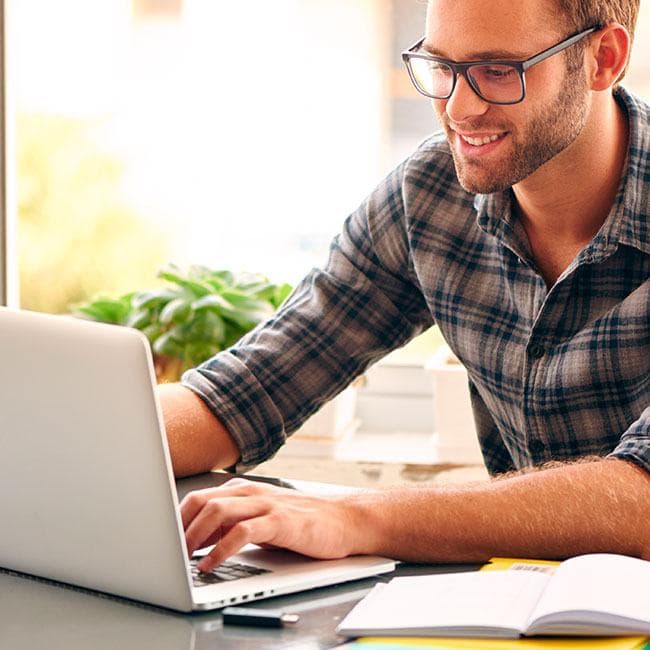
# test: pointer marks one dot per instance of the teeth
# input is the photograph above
(479, 142)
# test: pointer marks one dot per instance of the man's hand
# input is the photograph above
(242, 512)
(599, 506)
(198, 442)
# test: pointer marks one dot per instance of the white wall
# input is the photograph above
(251, 155)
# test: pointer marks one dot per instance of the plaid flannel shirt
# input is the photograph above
(555, 374)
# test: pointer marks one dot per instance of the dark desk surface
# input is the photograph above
(37, 614)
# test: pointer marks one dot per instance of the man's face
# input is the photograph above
(495, 147)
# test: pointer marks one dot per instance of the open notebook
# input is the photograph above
(589, 595)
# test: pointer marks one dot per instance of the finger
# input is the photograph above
(221, 512)
(216, 536)
(258, 530)
(194, 502)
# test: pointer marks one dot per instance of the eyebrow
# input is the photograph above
(480, 56)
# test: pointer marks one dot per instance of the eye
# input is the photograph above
(499, 73)
(438, 68)
(494, 74)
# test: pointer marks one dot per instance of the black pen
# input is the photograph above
(257, 617)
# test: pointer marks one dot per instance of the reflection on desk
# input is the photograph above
(36, 614)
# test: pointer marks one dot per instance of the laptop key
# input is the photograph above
(224, 573)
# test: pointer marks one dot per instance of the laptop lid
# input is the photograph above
(88, 494)
(89, 497)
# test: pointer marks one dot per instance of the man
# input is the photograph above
(523, 234)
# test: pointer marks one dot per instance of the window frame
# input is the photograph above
(4, 267)
(9, 293)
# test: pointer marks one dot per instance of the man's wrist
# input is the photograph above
(367, 523)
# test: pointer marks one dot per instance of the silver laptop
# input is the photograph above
(88, 496)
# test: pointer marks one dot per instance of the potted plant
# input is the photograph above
(198, 313)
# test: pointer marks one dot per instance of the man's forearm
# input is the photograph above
(198, 442)
(600, 506)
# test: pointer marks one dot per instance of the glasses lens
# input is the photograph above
(497, 83)
(432, 78)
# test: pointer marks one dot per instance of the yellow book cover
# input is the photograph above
(405, 643)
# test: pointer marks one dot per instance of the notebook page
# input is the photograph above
(611, 586)
(501, 600)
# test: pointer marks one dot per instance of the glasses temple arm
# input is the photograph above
(563, 45)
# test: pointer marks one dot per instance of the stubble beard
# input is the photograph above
(551, 130)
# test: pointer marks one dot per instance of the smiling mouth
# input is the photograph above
(481, 141)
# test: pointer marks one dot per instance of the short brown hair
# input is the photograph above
(581, 14)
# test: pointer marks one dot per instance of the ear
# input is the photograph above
(607, 55)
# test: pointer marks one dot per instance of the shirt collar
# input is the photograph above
(628, 221)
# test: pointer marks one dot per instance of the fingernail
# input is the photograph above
(204, 566)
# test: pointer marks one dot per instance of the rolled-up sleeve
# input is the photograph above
(635, 442)
(340, 319)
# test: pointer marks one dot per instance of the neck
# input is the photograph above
(566, 201)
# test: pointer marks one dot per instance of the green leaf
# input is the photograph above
(248, 310)
(106, 310)
(218, 305)
(168, 345)
(172, 275)
(154, 298)
(203, 312)
(197, 353)
(175, 311)
(220, 278)
(208, 327)
(244, 302)
(234, 332)
(139, 319)
(262, 291)
(152, 332)
(217, 285)
(282, 292)
(216, 327)
(212, 302)
(93, 312)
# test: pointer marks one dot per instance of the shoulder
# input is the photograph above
(430, 177)
(422, 193)
(432, 157)
(431, 194)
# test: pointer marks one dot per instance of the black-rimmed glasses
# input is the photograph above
(496, 82)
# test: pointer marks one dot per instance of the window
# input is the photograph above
(150, 131)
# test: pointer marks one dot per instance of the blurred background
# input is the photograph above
(235, 135)
(238, 136)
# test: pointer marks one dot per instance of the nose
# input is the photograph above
(464, 103)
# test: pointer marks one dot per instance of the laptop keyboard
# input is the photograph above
(224, 572)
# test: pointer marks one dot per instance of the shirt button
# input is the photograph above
(537, 351)
(536, 447)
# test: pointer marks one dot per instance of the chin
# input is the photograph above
(478, 184)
